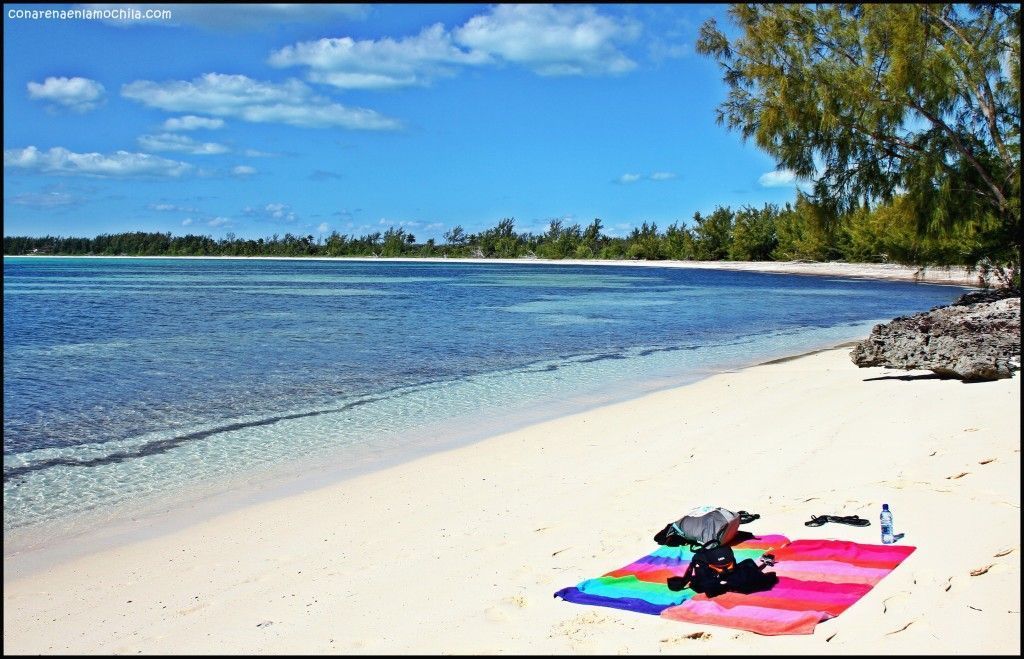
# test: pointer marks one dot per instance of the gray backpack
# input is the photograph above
(706, 526)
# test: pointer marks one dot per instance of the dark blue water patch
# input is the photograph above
(544, 369)
(601, 358)
(162, 344)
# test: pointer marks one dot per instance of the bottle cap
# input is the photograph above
(885, 506)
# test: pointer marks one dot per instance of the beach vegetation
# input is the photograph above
(645, 243)
(807, 232)
(910, 107)
(754, 236)
(712, 234)
(799, 231)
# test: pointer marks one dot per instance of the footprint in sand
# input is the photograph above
(695, 636)
(895, 602)
(507, 608)
(577, 629)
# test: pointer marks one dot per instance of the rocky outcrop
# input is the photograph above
(975, 338)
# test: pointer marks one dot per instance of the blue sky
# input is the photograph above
(264, 119)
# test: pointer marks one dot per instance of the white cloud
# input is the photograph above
(187, 221)
(119, 164)
(243, 170)
(253, 153)
(274, 212)
(232, 17)
(654, 176)
(780, 178)
(192, 122)
(182, 143)
(168, 208)
(552, 39)
(218, 221)
(397, 223)
(79, 94)
(323, 228)
(376, 64)
(291, 102)
(548, 39)
(52, 199)
(279, 211)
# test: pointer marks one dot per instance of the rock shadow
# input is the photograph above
(912, 378)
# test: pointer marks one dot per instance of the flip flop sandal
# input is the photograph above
(747, 518)
(852, 520)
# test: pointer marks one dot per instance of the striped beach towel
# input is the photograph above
(818, 580)
(642, 585)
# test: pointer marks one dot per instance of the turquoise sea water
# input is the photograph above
(128, 379)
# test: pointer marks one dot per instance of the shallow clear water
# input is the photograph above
(125, 379)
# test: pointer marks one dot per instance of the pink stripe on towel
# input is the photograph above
(818, 580)
(830, 571)
(762, 620)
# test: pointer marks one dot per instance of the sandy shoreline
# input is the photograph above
(460, 551)
(957, 275)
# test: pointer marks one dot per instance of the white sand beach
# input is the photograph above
(460, 552)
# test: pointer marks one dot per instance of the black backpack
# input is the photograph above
(713, 570)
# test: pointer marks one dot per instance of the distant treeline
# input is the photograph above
(800, 231)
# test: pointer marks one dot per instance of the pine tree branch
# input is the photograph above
(965, 151)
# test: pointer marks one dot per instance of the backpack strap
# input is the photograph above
(698, 555)
(679, 583)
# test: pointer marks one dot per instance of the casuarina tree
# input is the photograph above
(878, 101)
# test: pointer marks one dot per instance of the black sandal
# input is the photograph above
(747, 518)
(852, 520)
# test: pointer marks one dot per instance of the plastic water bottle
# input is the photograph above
(885, 520)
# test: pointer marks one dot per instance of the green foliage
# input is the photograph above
(804, 231)
(753, 234)
(592, 238)
(456, 236)
(889, 233)
(678, 243)
(395, 242)
(561, 242)
(876, 101)
(644, 243)
(614, 250)
(500, 241)
(712, 235)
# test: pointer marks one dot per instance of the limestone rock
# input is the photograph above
(975, 338)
